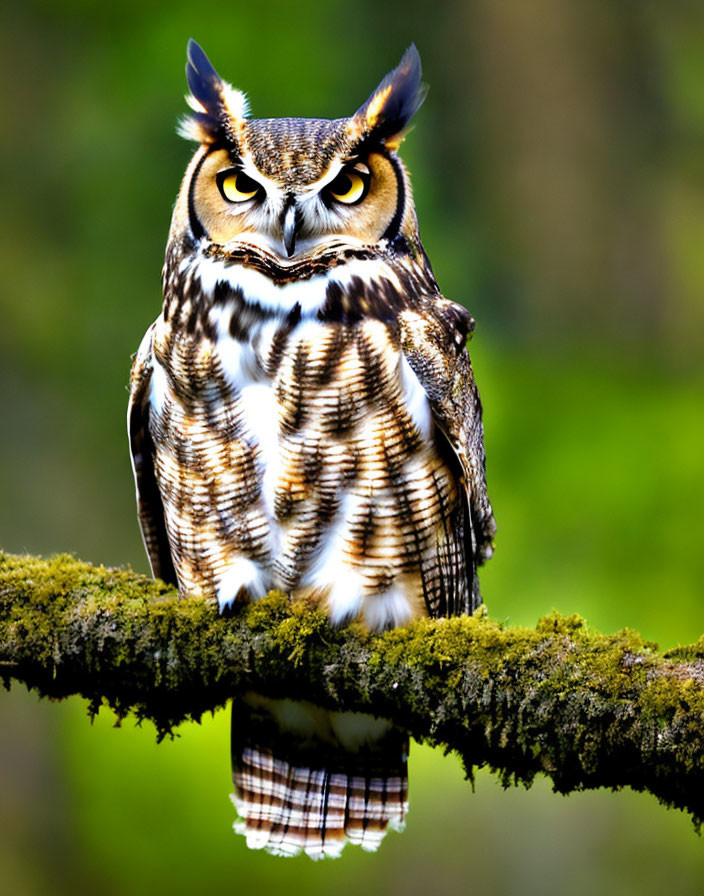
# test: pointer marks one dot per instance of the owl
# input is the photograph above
(303, 416)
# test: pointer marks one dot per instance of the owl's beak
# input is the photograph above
(291, 221)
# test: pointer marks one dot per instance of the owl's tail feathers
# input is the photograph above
(303, 791)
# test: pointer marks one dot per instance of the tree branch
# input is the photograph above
(586, 709)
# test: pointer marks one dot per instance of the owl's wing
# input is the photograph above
(433, 339)
(151, 509)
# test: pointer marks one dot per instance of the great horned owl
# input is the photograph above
(303, 413)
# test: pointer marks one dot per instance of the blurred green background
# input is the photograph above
(558, 167)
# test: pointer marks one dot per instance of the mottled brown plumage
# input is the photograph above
(303, 413)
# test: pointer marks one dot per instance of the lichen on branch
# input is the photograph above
(586, 709)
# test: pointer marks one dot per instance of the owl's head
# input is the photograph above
(294, 187)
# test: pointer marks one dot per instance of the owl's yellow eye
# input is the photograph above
(236, 186)
(350, 186)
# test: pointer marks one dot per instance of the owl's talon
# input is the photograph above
(244, 581)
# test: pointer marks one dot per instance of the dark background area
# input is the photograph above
(558, 167)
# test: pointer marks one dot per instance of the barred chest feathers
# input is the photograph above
(293, 451)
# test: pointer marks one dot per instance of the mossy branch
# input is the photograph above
(586, 709)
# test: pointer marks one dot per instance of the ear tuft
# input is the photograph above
(218, 108)
(391, 106)
(203, 81)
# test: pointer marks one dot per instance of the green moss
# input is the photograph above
(584, 708)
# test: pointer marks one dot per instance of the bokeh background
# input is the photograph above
(558, 166)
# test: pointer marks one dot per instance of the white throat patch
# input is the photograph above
(258, 289)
